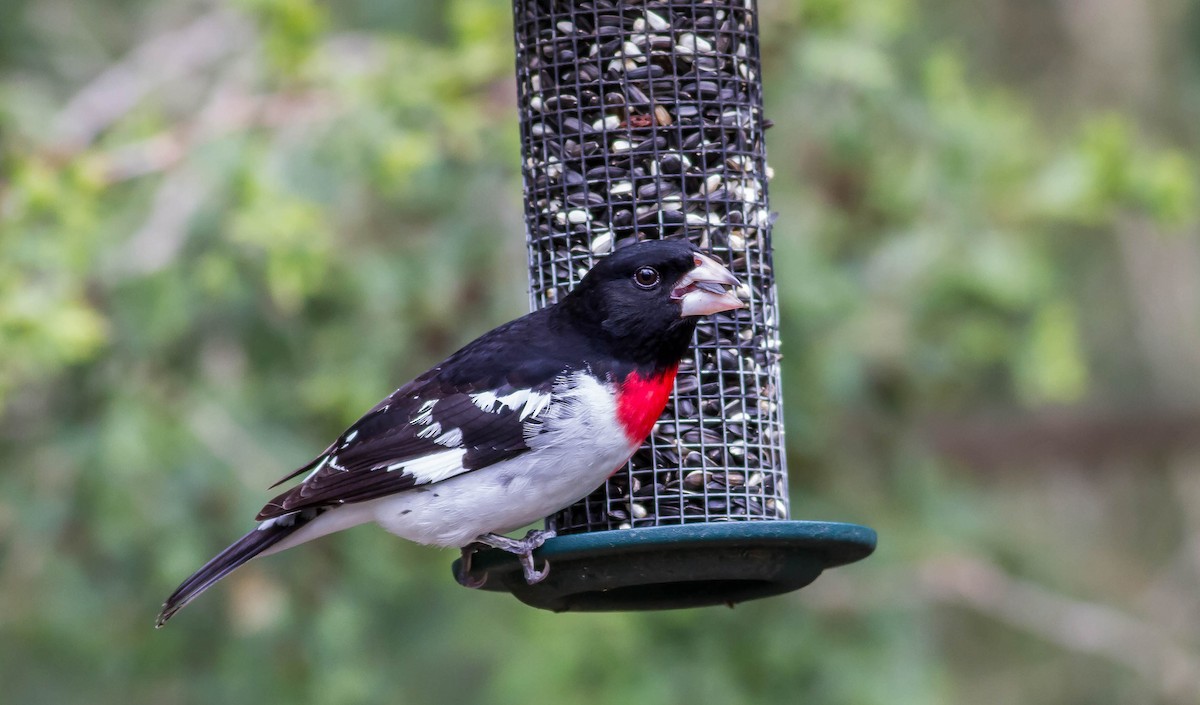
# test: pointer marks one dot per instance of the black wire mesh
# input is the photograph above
(644, 120)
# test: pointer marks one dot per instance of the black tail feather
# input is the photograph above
(227, 561)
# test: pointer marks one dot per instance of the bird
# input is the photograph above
(520, 423)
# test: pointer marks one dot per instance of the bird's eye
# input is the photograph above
(646, 277)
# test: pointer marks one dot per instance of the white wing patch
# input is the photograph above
(488, 401)
(433, 468)
(430, 430)
(450, 439)
(537, 403)
(527, 401)
(424, 414)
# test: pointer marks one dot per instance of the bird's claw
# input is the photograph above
(522, 548)
(532, 574)
(464, 570)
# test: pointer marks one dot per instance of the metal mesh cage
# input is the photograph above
(644, 120)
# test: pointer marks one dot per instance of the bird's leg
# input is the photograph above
(464, 571)
(523, 549)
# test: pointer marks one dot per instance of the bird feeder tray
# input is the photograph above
(670, 567)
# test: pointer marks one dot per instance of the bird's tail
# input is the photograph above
(265, 536)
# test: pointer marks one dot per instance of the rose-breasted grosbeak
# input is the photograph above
(522, 422)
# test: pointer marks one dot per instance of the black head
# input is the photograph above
(643, 300)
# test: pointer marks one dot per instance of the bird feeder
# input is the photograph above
(644, 120)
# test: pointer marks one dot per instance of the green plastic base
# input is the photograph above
(671, 567)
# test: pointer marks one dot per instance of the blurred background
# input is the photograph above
(227, 228)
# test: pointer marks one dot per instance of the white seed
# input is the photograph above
(686, 44)
(656, 21)
(621, 146)
(565, 27)
(578, 215)
(637, 510)
(608, 122)
(621, 188)
(630, 49)
(602, 243)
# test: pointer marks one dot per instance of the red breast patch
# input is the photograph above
(641, 400)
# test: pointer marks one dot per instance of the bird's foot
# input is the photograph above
(464, 569)
(523, 549)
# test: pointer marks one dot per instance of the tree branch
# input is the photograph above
(1085, 627)
(161, 60)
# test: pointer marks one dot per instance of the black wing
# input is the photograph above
(475, 409)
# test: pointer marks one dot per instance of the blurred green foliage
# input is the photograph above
(227, 229)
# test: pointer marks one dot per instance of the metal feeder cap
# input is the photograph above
(671, 567)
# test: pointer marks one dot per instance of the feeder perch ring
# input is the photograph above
(670, 567)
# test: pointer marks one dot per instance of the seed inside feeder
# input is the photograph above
(644, 121)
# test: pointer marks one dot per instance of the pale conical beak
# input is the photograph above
(702, 291)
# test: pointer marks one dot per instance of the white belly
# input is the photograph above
(497, 499)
